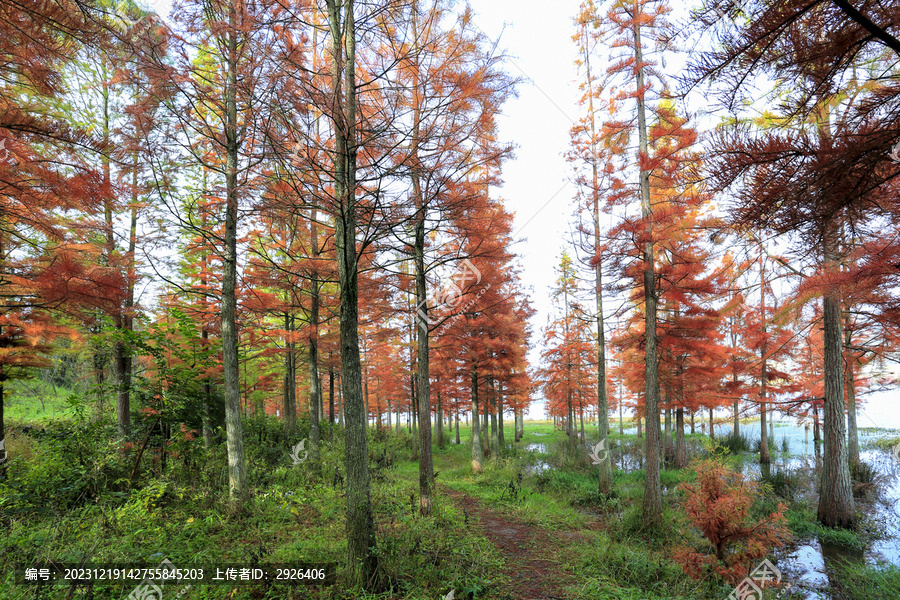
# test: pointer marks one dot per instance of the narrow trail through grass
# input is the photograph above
(530, 553)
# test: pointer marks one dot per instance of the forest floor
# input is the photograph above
(530, 554)
(531, 526)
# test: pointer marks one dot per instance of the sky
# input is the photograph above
(537, 186)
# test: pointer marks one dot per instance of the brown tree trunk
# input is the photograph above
(680, 450)
(289, 399)
(477, 455)
(850, 383)
(652, 505)
(362, 561)
(764, 372)
(836, 506)
(238, 489)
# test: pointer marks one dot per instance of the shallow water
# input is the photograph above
(809, 566)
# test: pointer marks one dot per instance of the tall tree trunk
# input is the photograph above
(362, 561)
(288, 398)
(492, 409)
(238, 490)
(439, 420)
(764, 369)
(426, 466)
(836, 506)
(315, 384)
(457, 428)
(477, 456)
(500, 436)
(331, 394)
(667, 433)
(680, 450)
(605, 476)
(850, 383)
(486, 438)
(652, 506)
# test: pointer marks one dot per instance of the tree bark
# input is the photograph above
(850, 383)
(605, 476)
(764, 372)
(238, 490)
(477, 456)
(289, 399)
(362, 561)
(680, 450)
(652, 505)
(836, 506)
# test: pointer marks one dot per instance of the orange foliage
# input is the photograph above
(719, 505)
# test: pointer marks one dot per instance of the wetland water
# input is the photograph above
(807, 564)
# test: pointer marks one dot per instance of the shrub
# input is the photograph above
(783, 483)
(735, 443)
(864, 478)
(719, 504)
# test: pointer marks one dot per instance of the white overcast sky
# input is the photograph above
(538, 38)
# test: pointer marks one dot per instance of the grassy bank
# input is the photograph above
(73, 496)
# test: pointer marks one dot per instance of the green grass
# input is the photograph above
(69, 497)
(36, 402)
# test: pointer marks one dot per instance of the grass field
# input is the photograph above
(74, 495)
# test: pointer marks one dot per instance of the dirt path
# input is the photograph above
(529, 552)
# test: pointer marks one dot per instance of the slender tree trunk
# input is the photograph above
(680, 450)
(605, 476)
(736, 420)
(836, 506)
(426, 468)
(477, 455)
(238, 490)
(288, 399)
(315, 384)
(492, 409)
(362, 561)
(764, 373)
(817, 434)
(652, 506)
(667, 434)
(500, 436)
(457, 428)
(485, 429)
(439, 421)
(331, 394)
(850, 383)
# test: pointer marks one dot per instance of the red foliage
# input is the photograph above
(719, 505)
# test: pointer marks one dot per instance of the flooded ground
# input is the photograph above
(808, 564)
